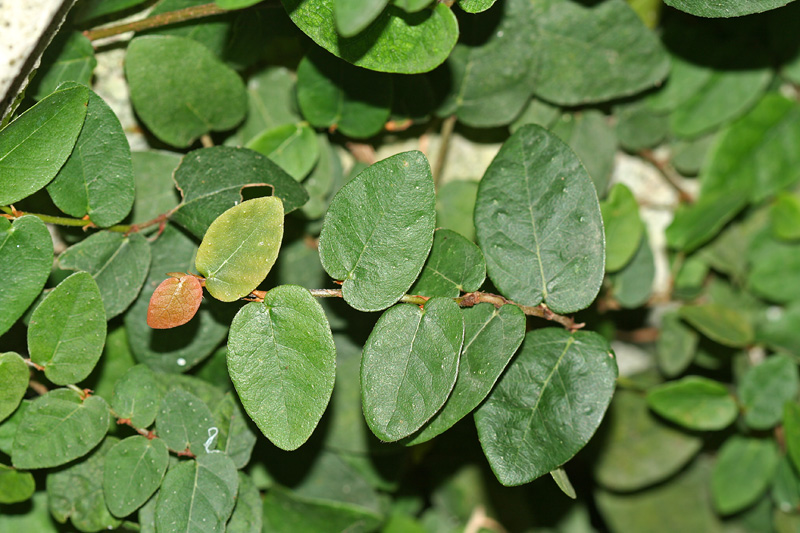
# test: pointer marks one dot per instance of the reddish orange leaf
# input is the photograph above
(174, 302)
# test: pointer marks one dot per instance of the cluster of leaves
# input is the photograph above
(129, 400)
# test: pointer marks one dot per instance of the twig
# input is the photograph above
(162, 19)
(668, 173)
(33, 365)
(478, 520)
(444, 144)
(37, 387)
(206, 140)
(85, 223)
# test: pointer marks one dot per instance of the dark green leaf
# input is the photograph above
(137, 397)
(293, 147)
(76, 492)
(97, 179)
(676, 345)
(211, 181)
(335, 94)
(764, 390)
(730, 8)
(240, 247)
(180, 90)
(589, 134)
(155, 190)
(184, 422)
(539, 225)
(67, 330)
(742, 472)
(623, 227)
(491, 337)
(235, 4)
(455, 204)
(409, 366)
(15, 486)
(547, 405)
(407, 43)
(57, 428)
(379, 230)
(133, 471)
(721, 324)
(213, 32)
(235, 437)
(92, 9)
(118, 264)
(35, 517)
(69, 57)
(455, 265)
(282, 360)
(634, 283)
(247, 514)
(197, 495)
(786, 485)
(285, 512)
(694, 402)
(36, 144)
(14, 376)
(271, 102)
(353, 16)
(537, 112)
(639, 127)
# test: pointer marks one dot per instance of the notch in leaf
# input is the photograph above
(175, 301)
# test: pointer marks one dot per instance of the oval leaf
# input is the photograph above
(14, 376)
(26, 257)
(409, 366)
(694, 402)
(282, 360)
(623, 227)
(719, 323)
(742, 473)
(184, 422)
(133, 471)
(293, 147)
(67, 330)
(240, 247)
(538, 223)
(57, 428)
(547, 405)
(455, 265)
(136, 396)
(379, 229)
(15, 486)
(36, 144)
(174, 302)
(765, 388)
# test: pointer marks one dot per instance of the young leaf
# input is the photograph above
(57, 428)
(197, 494)
(118, 264)
(240, 247)
(137, 396)
(293, 147)
(174, 302)
(409, 366)
(15, 486)
(14, 376)
(765, 388)
(538, 223)
(36, 144)
(180, 90)
(211, 181)
(378, 231)
(742, 472)
(721, 324)
(547, 405)
(282, 360)
(133, 471)
(406, 43)
(455, 265)
(491, 337)
(97, 179)
(785, 217)
(695, 403)
(623, 227)
(67, 330)
(184, 421)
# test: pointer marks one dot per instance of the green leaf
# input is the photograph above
(271, 102)
(353, 16)
(8, 429)
(57, 428)
(235, 4)
(247, 514)
(593, 140)
(240, 247)
(455, 265)
(155, 190)
(676, 345)
(137, 396)
(319, 184)
(285, 512)
(491, 337)
(184, 422)
(785, 217)
(76, 492)
(633, 284)
(15, 486)
(742, 472)
(293, 147)
(180, 90)
(718, 323)
(97, 179)
(623, 227)
(539, 225)
(475, 6)
(638, 448)
(213, 32)
(211, 182)
(118, 264)
(697, 223)
(281, 359)
(409, 366)
(765, 388)
(378, 231)
(14, 376)
(67, 330)
(455, 203)
(730, 8)
(407, 43)
(34, 517)
(774, 267)
(26, 257)
(786, 485)
(557, 376)
(791, 429)
(197, 495)
(93, 9)
(235, 437)
(133, 471)
(69, 57)
(639, 126)
(179, 349)
(334, 94)
(34, 147)
(694, 402)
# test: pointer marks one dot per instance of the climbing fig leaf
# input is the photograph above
(240, 247)
(174, 302)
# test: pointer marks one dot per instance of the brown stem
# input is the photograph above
(668, 173)
(162, 19)
(206, 140)
(37, 387)
(444, 144)
(33, 365)
(150, 435)
(85, 223)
